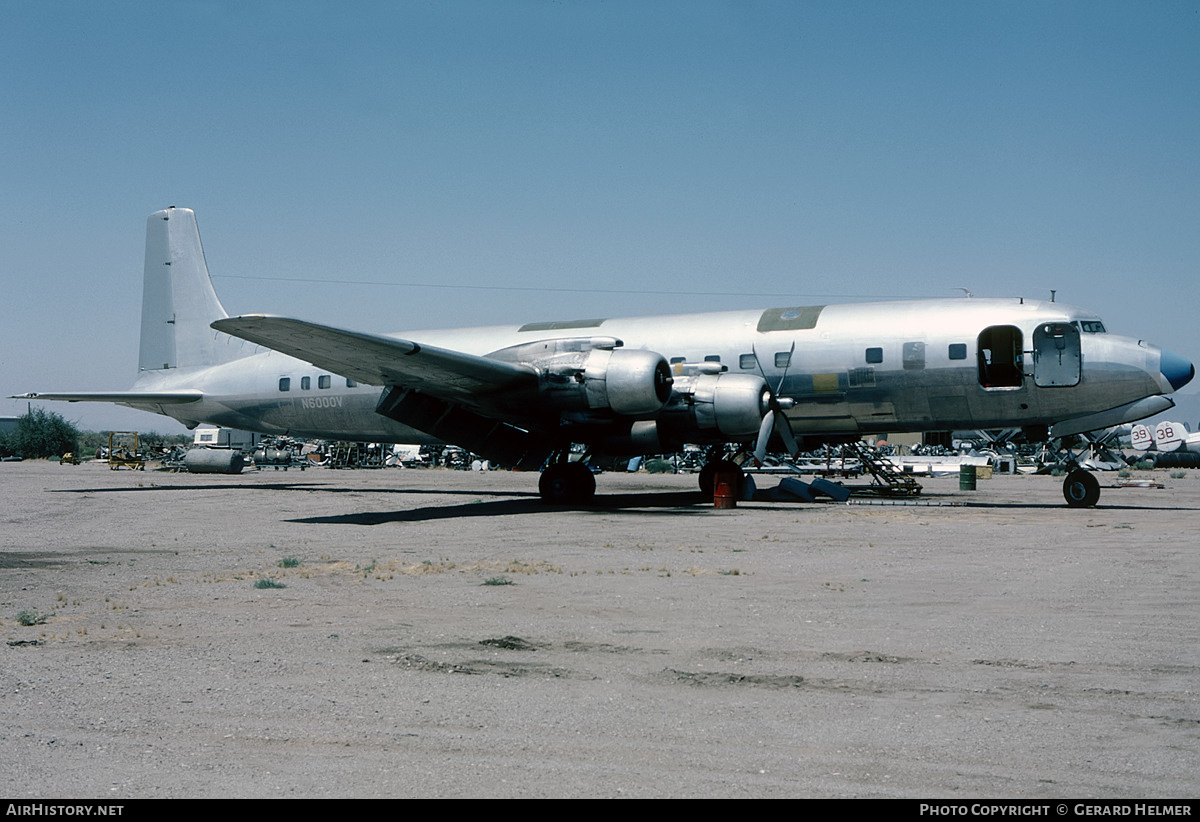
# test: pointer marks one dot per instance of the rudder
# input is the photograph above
(178, 300)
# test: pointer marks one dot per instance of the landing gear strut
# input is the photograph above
(567, 483)
(1081, 489)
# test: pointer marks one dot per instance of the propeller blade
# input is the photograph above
(783, 427)
(764, 435)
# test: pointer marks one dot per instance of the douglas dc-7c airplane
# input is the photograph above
(522, 395)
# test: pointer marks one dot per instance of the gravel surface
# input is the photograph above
(445, 634)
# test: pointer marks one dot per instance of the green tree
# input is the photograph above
(42, 434)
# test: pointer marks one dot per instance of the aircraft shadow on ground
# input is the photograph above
(284, 486)
(485, 504)
(672, 503)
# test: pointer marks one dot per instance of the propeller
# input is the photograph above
(775, 420)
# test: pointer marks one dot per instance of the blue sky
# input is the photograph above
(406, 165)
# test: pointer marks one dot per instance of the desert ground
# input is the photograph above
(444, 634)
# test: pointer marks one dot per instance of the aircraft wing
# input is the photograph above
(122, 397)
(379, 360)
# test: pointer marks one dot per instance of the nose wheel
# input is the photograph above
(1081, 489)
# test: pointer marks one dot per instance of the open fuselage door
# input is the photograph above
(1001, 357)
(1056, 355)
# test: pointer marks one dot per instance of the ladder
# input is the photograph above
(887, 479)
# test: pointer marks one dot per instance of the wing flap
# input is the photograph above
(379, 360)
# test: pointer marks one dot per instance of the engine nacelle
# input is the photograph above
(632, 383)
(705, 409)
(731, 404)
(590, 374)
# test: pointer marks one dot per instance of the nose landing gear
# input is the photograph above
(1081, 489)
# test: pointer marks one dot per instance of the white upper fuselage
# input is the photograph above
(852, 368)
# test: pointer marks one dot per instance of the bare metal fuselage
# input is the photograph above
(847, 369)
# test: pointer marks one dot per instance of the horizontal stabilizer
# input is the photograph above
(379, 360)
(123, 397)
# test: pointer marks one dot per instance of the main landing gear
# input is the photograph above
(708, 477)
(567, 483)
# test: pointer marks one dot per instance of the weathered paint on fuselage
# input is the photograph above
(869, 368)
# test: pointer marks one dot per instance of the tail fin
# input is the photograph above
(178, 300)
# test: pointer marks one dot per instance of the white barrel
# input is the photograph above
(214, 461)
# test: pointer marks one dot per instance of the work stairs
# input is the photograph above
(887, 479)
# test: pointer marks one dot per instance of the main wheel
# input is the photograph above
(567, 483)
(708, 477)
(1081, 489)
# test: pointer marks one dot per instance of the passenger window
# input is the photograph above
(913, 355)
(875, 355)
(958, 351)
(285, 383)
(783, 359)
(747, 361)
(351, 383)
(323, 381)
(305, 383)
(677, 360)
(713, 358)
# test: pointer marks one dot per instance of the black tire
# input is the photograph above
(1081, 489)
(708, 477)
(567, 483)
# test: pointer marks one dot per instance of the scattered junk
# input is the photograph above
(407, 456)
(229, 451)
(273, 456)
(283, 452)
(794, 489)
(457, 458)
(354, 455)
(214, 461)
(124, 451)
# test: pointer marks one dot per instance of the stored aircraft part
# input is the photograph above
(833, 490)
(1081, 489)
(1141, 437)
(214, 461)
(795, 488)
(1169, 436)
(567, 483)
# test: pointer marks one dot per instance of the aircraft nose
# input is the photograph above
(1178, 370)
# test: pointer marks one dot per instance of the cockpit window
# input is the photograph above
(1090, 326)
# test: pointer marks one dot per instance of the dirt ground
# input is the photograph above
(445, 634)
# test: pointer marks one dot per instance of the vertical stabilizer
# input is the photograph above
(178, 300)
